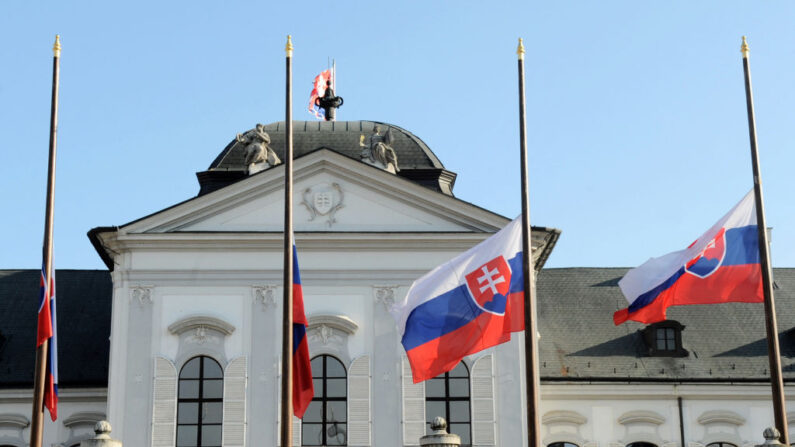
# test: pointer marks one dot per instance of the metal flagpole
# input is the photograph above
(287, 323)
(773, 353)
(37, 419)
(530, 330)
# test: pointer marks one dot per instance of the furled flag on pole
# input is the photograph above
(318, 89)
(468, 304)
(46, 330)
(720, 266)
(303, 388)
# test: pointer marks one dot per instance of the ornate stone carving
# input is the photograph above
(323, 200)
(200, 322)
(266, 294)
(378, 150)
(385, 295)
(324, 334)
(259, 156)
(201, 336)
(142, 294)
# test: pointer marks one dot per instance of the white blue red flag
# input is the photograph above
(303, 388)
(46, 330)
(720, 266)
(468, 304)
(318, 90)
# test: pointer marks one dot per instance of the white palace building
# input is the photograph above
(177, 343)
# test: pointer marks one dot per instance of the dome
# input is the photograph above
(415, 159)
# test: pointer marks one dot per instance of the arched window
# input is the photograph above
(325, 421)
(200, 403)
(447, 395)
(563, 444)
(721, 444)
(641, 444)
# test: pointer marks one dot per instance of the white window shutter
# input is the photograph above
(164, 411)
(234, 421)
(483, 421)
(413, 407)
(359, 421)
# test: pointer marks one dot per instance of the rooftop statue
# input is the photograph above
(259, 156)
(379, 151)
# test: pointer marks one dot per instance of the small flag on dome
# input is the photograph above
(318, 89)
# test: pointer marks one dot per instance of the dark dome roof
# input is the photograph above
(416, 160)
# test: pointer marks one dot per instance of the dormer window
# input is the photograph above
(664, 339)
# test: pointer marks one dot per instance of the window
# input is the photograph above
(664, 339)
(447, 395)
(563, 444)
(200, 403)
(641, 444)
(325, 421)
(721, 444)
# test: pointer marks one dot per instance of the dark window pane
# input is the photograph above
(213, 389)
(311, 434)
(433, 409)
(317, 367)
(434, 388)
(334, 368)
(186, 436)
(562, 444)
(212, 412)
(459, 371)
(459, 411)
(191, 369)
(318, 383)
(212, 370)
(188, 389)
(661, 345)
(335, 388)
(313, 412)
(336, 434)
(336, 411)
(459, 387)
(461, 430)
(188, 413)
(211, 435)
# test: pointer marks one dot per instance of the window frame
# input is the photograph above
(671, 339)
(320, 396)
(448, 398)
(200, 400)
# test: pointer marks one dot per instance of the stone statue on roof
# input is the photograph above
(379, 151)
(259, 156)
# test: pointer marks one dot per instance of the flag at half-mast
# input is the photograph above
(318, 90)
(720, 266)
(303, 388)
(464, 306)
(47, 330)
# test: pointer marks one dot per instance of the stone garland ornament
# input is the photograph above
(142, 294)
(385, 295)
(323, 200)
(266, 294)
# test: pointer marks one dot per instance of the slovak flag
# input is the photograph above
(318, 90)
(303, 388)
(46, 330)
(720, 266)
(464, 306)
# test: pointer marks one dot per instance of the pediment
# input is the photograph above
(331, 193)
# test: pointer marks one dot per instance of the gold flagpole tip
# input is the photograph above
(520, 50)
(744, 48)
(289, 47)
(56, 47)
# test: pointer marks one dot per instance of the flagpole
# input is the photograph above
(773, 352)
(37, 419)
(530, 330)
(287, 323)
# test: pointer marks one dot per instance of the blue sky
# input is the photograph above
(636, 111)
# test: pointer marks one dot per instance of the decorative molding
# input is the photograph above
(13, 420)
(338, 322)
(266, 294)
(324, 334)
(84, 418)
(323, 199)
(641, 416)
(201, 322)
(724, 417)
(142, 294)
(563, 417)
(385, 294)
